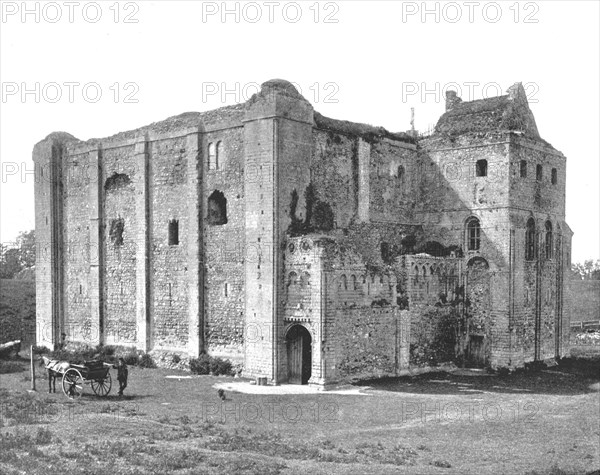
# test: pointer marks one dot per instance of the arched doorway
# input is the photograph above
(299, 354)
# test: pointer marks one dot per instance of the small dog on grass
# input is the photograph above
(221, 394)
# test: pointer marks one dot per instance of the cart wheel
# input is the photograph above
(101, 387)
(72, 383)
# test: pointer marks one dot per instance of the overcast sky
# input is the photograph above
(95, 69)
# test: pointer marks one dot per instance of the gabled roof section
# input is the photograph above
(495, 114)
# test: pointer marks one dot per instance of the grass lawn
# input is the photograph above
(531, 423)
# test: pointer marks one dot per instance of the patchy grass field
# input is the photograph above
(529, 423)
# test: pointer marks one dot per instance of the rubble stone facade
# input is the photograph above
(305, 247)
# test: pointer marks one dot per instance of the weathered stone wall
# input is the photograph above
(334, 174)
(224, 246)
(427, 277)
(393, 180)
(119, 290)
(367, 341)
(169, 266)
(533, 192)
(375, 196)
(76, 250)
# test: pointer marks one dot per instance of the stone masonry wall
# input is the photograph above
(224, 248)
(120, 259)
(387, 196)
(169, 267)
(76, 249)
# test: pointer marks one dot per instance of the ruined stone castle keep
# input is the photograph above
(309, 249)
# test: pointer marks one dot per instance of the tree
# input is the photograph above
(26, 245)
(589, 270)
(18, 255)
(10, 263)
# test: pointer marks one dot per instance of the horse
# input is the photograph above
(55, 369)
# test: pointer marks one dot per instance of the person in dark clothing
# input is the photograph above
(122, 374)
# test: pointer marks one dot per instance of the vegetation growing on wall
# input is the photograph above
(319, 215)
(436, 338)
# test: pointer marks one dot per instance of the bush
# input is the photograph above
(434, 340)
(106, 351)
(220, 366)
(7, 367)
(40, 350)
(146, 361)
(207, 364)
(200, 365)
(131, 357)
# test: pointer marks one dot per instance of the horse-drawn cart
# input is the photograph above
(94, 373)
(75, 376)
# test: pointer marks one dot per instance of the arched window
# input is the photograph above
(353, 282)
(116, 182)
(212, 156)
(539, 173)
(554, 176)
(292, 278)
(549, 240)
(473, 234)
(343, 282)
(530, 240)
(217, 208)
(220, 160)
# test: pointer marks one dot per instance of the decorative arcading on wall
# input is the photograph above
(393, 212)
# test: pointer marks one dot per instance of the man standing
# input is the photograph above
(122, 374)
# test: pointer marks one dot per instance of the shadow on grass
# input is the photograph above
(571, 377)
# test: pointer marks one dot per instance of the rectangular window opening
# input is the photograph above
(174, 232)
(523, 169)
(481, 168)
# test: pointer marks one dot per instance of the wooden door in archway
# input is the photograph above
(299, 355)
